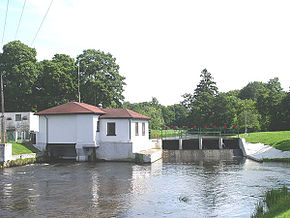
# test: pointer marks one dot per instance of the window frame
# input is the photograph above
(98, 126)
(109, 131)
(143, 129)
(18, 116)
(136, 129)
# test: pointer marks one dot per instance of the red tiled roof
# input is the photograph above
(123, 113)
(72, 108)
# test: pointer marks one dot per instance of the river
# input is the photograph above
(111, 189)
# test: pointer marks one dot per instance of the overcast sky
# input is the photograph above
(162, 45)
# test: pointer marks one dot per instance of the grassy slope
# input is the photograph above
(18, 148)
(279, 139)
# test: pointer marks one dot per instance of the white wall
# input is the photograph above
(33, 122)
(86, 127)
(62, 128)
(140, 142)
(75, 128)
(122, 130)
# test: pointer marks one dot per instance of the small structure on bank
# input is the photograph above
(20, 125)
(81, 131)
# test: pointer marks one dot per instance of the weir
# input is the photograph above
(202, 148)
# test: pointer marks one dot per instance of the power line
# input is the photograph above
(5, 22)
(41, 23)
(20, 19)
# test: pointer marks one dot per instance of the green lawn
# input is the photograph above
(278, 139)
(18, 148)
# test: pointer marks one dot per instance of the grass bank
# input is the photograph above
(22, 148)
(277, 139)
(277, 201)
(18, 162)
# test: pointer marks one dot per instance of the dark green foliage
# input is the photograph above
(252, 91)
(57, 82)
(151, 109)
(32, 86)
(19, 63)
(101, 82)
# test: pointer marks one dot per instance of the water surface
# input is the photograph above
(216, 189)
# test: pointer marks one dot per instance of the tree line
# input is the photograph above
(265, 106)
(32, 85)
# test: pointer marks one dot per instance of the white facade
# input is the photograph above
(89, 140)
(20, 124)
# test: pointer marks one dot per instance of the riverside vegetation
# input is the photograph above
(275, 204)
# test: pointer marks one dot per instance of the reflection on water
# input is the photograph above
(201, 189)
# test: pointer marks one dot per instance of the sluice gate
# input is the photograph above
(202, 148)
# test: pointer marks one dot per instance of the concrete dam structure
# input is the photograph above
(206, 148)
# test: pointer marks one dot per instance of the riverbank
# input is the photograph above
(276, 203)
(266, 152)
(269, 146)
(17, 162)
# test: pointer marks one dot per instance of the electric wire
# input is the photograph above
(20, 19)
(5, 23)
(41, 23)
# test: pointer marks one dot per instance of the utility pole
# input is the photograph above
(245, 112)
(79, 92)
(3, 127)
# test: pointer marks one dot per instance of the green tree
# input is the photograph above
(224, 110)
(248, 115)
(175, 115)
(57, 81)
(101, 82)
(268, 104)
(151, 109)
(19, 63)
(200, 103)
(284, 110)
(252, 90)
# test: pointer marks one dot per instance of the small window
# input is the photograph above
(136, 129)
(143, 129)
(98, 126)
(9, 118)
(24, 118)
(111, 129)
(17, 117)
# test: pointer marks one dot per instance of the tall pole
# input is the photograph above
(79, 92)
(245, 122)
(245, 112)
(3, 128)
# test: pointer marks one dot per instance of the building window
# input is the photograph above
(98, 126)
(143, 129)
(136, 129)
(111, 129)
(17, 117)
(24, 118)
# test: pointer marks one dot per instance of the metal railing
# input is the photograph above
(193, 132)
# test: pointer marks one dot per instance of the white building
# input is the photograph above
(81, 131)
(20, 124)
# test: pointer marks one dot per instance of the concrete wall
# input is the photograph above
(197, 155)
(115, 151)
(5, 152)
(122, 130)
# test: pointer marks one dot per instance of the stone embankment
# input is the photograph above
(260, 151)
